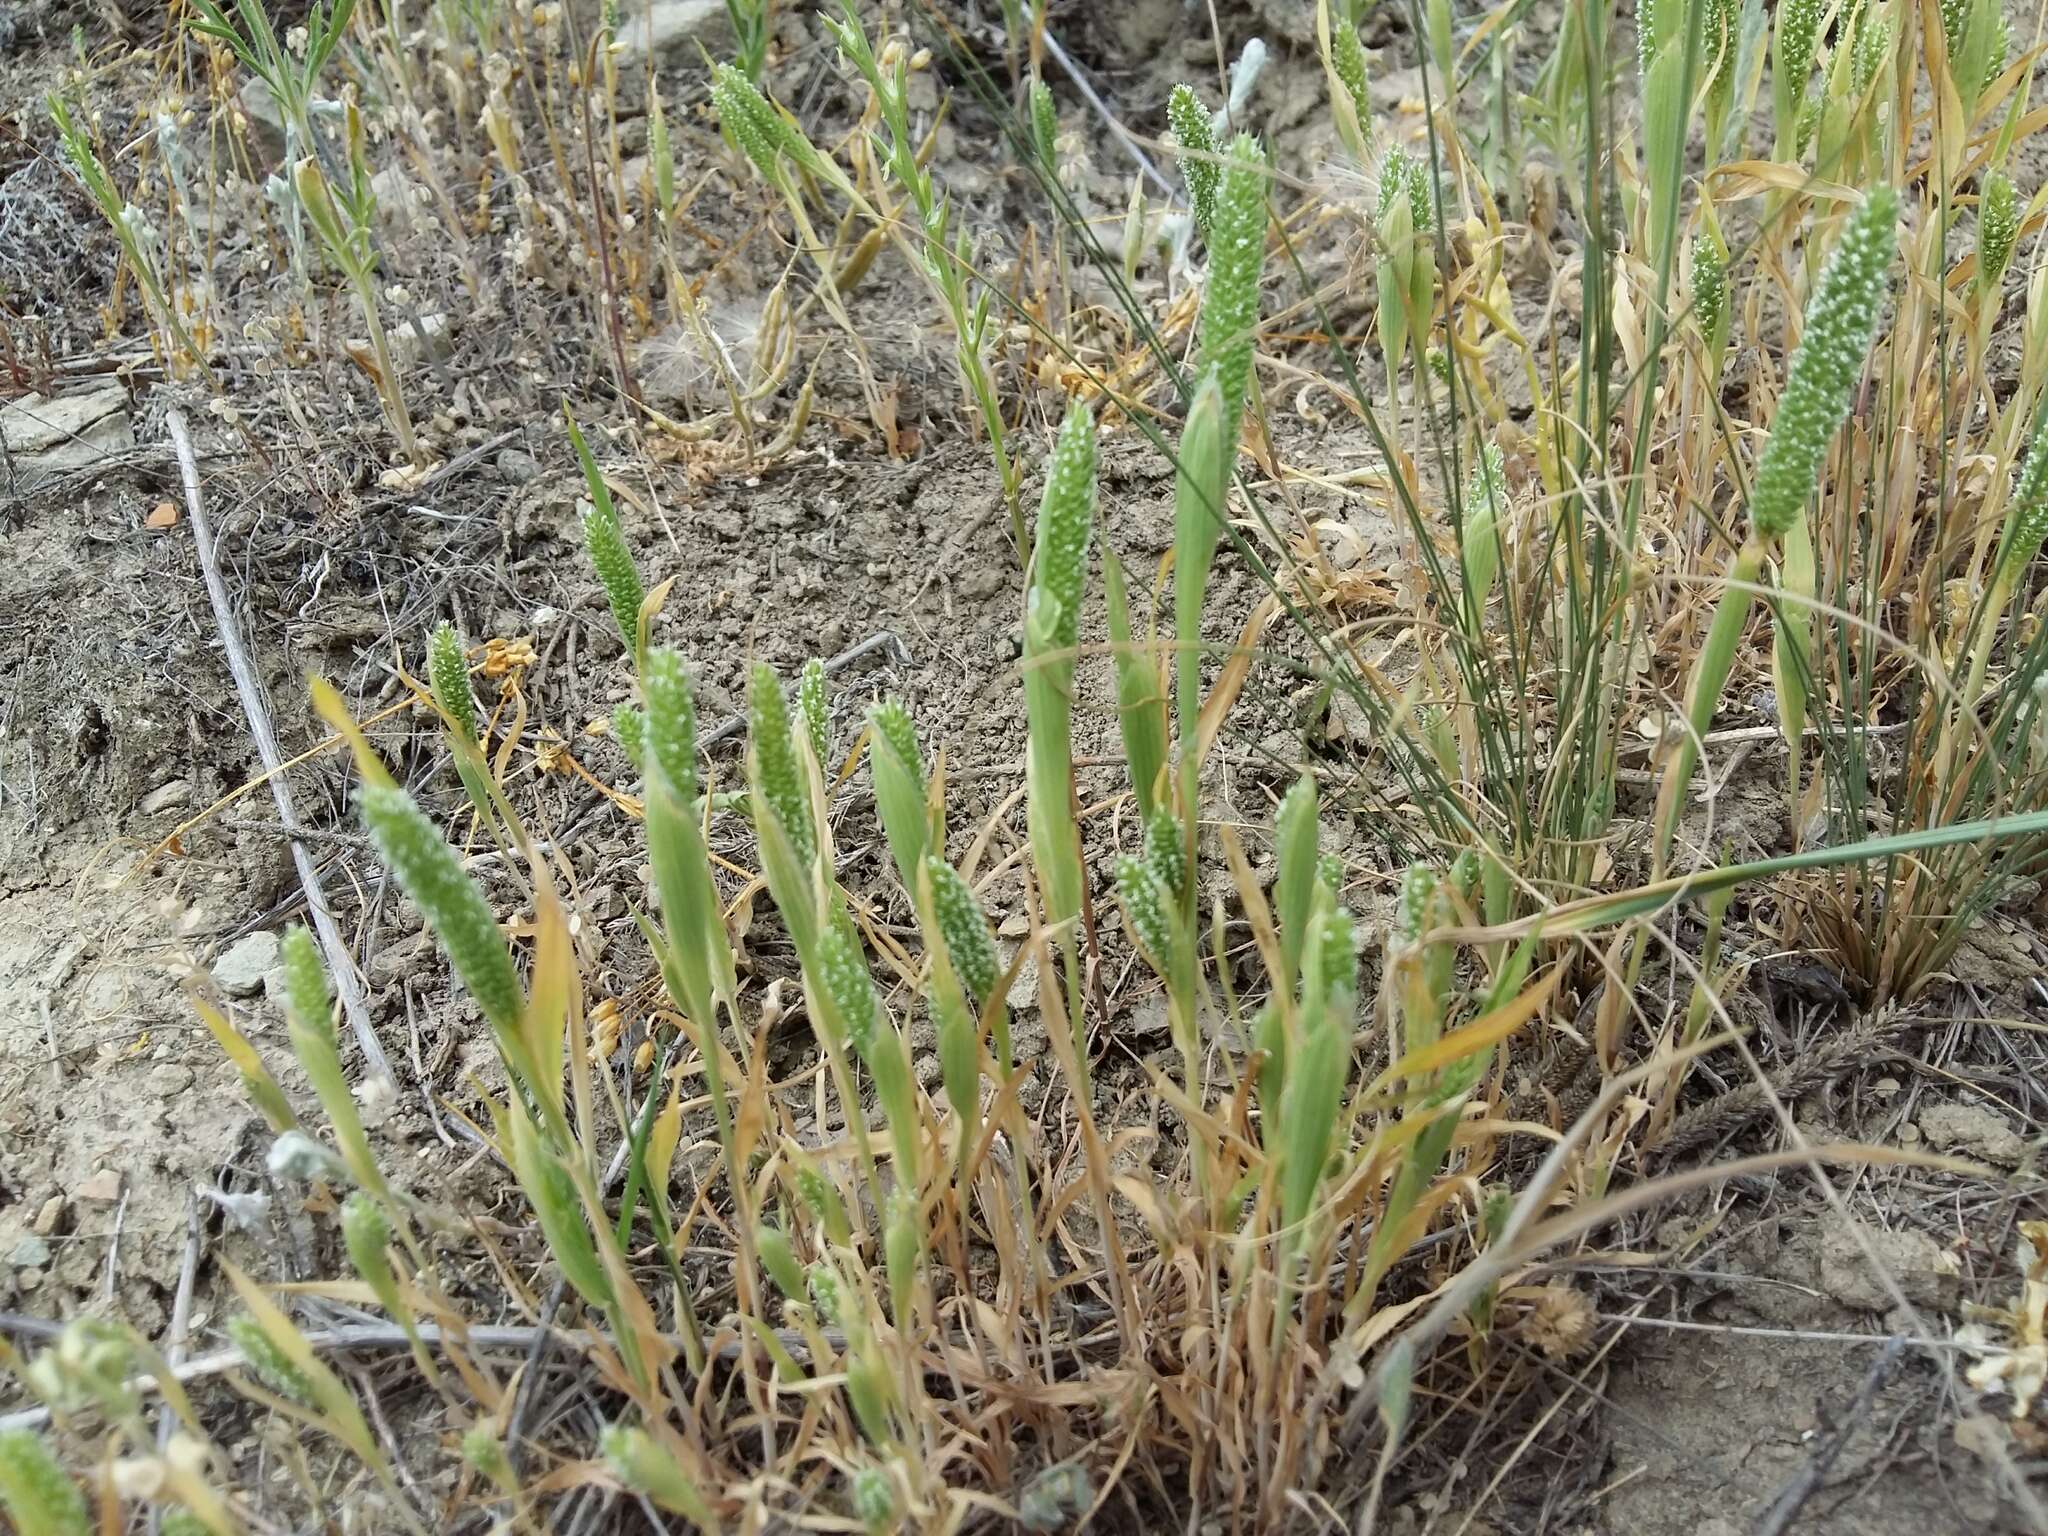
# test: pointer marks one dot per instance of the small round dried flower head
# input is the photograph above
(431, 873)
(1997, 227)
(1840, 321)
(1066, 522)
(671, 721)
(782, 782)
(964, 928)
(1189, 120)
(1145, 900)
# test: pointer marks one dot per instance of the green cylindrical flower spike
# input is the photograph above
(779, 1259)
(366, 1234)
(1145, 900)
(1294, 838)
(1189, 120)
(273, 1367)
(660, 156)
(1165, 855)
(763, 135)
(782, 780)
(1873, 46)
(1998, 226)
(902, 1243)
(1347, 59)
(629, 730)
(671, 720)
(1412, 909)
(1338, 951)
(1797, 36)
(38, 1497)
(1237, 255)
(821, 1198)
(1649, 34)
(846, 980)
(2026, 521)
(1485, 500)
(1045, 124)
(1066, 522)
(894, 726)
(433, 876)
(448, 674)
(812, 702)
(963, 927)
(305, 980)
(1709, 289)
(645, 1468)
(483, 1450)
(1840, 320)
(821, 1280)
(874, 1500)
(613, 561)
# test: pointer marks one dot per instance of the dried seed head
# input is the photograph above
(812, 702)
(1066, 521)
(671, 720)
(39, 1498)
(963, 928)
(613, 561)
(782, 780)
(1997, 227)
(1840, 320)
(433, 876)
(1189, 120)
(273, 1367)
(448, 675)
(1145, 901)
(1237, 255)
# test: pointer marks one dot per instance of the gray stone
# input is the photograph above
(1925, 1273)
(240, 971)
(30, 1253)
(671, 25)
(168, 796)
(47, 437)
(518, 467)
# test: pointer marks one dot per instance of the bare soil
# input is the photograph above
(126, 1146)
